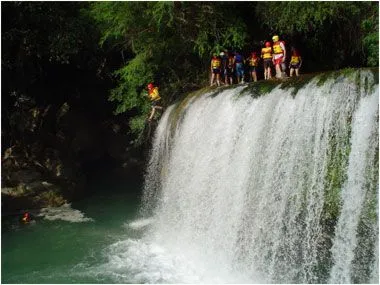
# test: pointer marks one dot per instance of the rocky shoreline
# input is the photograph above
(47, 154)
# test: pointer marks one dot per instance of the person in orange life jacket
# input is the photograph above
(295, 62)
(253, 64)
(239, 66)
(230, 69)
(155, 98)
(266, 55)
(215, 66)
(224, 63)
(279, 55)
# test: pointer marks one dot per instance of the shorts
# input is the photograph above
(156, 103)
(216, 70)
(252, 69)
(239, 69)
(230, 71)
(267, 63)
(295, 65)
(278, 60)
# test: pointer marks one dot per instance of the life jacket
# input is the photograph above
(26, 218)
(153, 94)
(266, 53)
(238, 58)
(253, 61)
(277, 48)
(215, 63)
(295, 59)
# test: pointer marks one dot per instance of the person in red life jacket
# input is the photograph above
(279, 55)
(230, 69)
(26, 218)
(215, 66)
(155, 98)
(295, 62)
(239, 67)
(266, 55)
(253, 61)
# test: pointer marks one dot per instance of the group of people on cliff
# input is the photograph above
(229, 67)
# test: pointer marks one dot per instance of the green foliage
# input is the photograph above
(370, 27)
(167, 43)
(334, 31)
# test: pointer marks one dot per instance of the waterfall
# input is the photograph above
(277, 188)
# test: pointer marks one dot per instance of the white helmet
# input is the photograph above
(221, 54)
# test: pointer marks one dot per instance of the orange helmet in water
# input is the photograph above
(150, 85)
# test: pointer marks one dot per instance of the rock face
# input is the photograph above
(47, 150)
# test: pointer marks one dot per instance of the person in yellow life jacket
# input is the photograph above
(155, 98)
(279, 55)
(295, 62)
(266, 55)
(216, 66)
(253, 61)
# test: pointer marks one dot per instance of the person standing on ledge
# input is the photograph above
(295, 62)
(216, 65)
(253, 64)
(155, 98)
(266, 54)
(239, 66)
(279, 55)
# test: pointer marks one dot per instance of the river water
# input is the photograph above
(72, 250)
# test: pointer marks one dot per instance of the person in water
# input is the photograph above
(295, 62)
(216, 65)
(279, 56)
(266, 54)
(155, 98)
(253, 64)
(26, 218)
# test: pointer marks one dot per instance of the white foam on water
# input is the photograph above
(139, 224)
(139, 261)
(64, 213)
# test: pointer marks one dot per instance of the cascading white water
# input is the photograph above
(242, 185)
(269, 189)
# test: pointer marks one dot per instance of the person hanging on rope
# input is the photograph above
(155, 98)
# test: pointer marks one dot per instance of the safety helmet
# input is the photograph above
(221, 54)
(150, 85)
(267, 44)
(275, 38)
